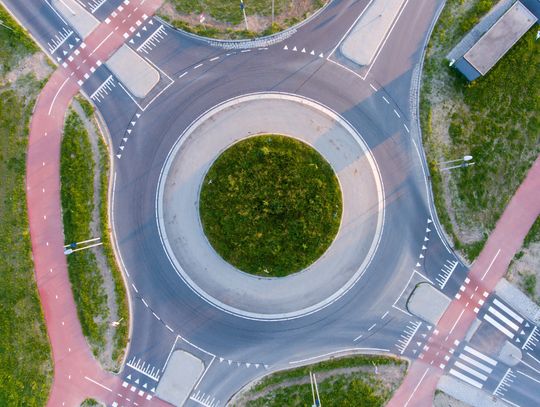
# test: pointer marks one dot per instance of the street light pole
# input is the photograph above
(243, 8)
(464, 163)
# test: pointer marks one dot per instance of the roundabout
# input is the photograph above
(217, 281)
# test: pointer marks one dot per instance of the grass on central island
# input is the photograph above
(270, 205)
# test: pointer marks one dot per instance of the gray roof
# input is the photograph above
(500, 38)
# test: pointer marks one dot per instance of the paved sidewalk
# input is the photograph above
(419, 386)
(77, 375)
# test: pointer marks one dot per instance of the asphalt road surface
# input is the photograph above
(379, 101)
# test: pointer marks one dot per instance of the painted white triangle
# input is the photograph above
(153, 390)
(137, 381)
(414, 351)
(119, 155)
(229, 361)
(133, 123)
(312, 52)
(321, 55)
(129, 377)
(426, 239)
(122, 148)
(285, 47)
(129, 131)
(518, 341)
(64, 52)
(138, 34)
(418, 343)
(428, 230)
(221, 360)
(256, 365)
(145, 386)
(70, 46)
(58, 59)
(248, 364)
(238, 364)
(138, 115)
(429, 327)
(304, 50)
(421, 256)
(429, 220)
(151, 22)
(527, 325)
(125, 139)
(418, 265)
(294, 49)
(131, 41)
(522, 332)
(144, 28)
(424, 247)
(266, 366)
(77, 39)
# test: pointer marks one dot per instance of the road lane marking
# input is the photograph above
(416, 387)
(99, 384)
(491, 264)
(507, 321)
(466, 379)
(507, 310)
(480, 355)
(498, 326)
(467, 369)
(56, 95)
(457, 320)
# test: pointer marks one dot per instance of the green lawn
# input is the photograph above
(338, 388)
(495, 119)
(77, 191)
(229, 16)
(121, 333)
(270, 205)
(25, 359)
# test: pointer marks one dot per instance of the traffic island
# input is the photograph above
(270, 205)
(315, 286)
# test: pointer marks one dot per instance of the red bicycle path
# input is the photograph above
(77, 375)
(419, 385)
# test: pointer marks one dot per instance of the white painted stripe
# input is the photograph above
(480, 355)
(503, 318)
(498, 326)
(476, 363)
(466, 368)
(507, 310)
(465, 378)
(526, 375)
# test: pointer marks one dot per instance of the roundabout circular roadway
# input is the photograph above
(361, 311)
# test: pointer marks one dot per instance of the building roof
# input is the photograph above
(506, 31)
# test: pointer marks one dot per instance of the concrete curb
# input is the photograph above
(248, 43)
(305, 310)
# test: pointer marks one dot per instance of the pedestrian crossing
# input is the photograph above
(504, 319)
(472, 367)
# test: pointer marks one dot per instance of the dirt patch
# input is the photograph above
(523, 268)
(105, 357)
(36, 64)
(444, 400)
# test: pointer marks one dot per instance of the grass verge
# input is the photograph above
(492, 119)
(77, 192)
(121, 334)
(225, 20)
(270, 205)
(348, 381)
(25, 358)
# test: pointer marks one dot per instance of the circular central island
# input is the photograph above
(269, 206)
